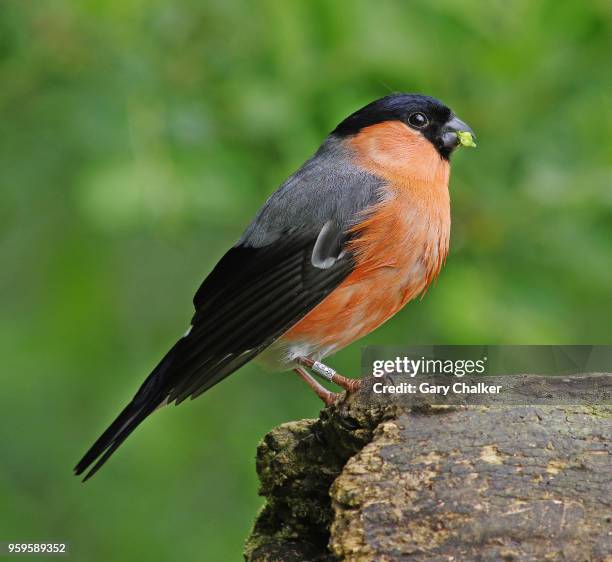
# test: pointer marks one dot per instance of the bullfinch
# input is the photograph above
(342, 245)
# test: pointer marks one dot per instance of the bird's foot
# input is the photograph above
(328, 397)
(350, 385)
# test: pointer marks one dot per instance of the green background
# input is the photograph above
(139, 138)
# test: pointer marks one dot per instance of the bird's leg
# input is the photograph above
(322, 392)
(350, 385)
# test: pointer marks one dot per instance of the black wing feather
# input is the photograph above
(251, 298)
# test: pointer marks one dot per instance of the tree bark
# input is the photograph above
(376, 479)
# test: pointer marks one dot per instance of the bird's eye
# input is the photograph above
(418, 120)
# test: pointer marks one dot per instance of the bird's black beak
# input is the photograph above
(457, 133)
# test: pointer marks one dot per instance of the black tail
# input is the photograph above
(109, 441)
(150, 395)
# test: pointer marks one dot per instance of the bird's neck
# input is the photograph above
(393, 151)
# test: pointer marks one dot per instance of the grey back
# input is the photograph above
(330, 186)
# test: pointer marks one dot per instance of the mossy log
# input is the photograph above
(373, 479)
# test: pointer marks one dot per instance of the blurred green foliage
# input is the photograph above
(138, 139)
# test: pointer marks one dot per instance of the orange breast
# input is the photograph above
(400, 245)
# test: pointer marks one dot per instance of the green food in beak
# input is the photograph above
(465, 138)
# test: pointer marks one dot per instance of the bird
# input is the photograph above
(359, 230)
